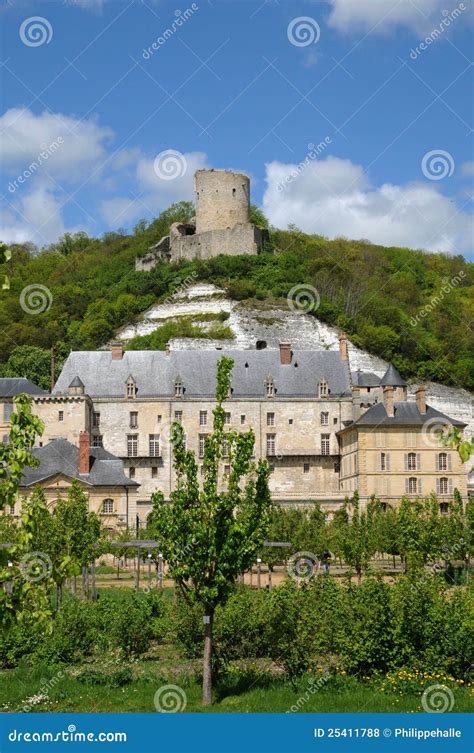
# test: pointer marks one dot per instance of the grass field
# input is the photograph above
(65, 689)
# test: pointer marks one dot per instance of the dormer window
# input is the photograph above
(269, 387)
(178, 387)
(323, 388)
(131, 387)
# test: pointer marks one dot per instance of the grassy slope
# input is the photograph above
(376, 294)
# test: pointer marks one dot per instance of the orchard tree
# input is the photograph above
(210, 534)
(420, 535)
(353, 536)
(16, 454)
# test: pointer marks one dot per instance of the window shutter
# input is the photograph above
(418, 461)
(437, 462)
(450, 486)
(406, 461)
(449, 462)
(418, 486)
(407, 489)
(387, 462)
(438, 486)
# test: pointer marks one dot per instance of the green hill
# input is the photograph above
(410, 307)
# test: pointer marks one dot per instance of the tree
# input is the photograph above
(210, 534)
(353, 534)
(419, 530)
(31, 362)
(15, 455)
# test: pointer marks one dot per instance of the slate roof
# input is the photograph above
(10, 387)
(365, 379)
(155, 372)
(405, 414)
(60, 456)
(392, 378)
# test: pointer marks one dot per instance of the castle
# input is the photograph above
(325, 430)
(221, 226)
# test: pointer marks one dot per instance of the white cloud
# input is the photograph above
(118, 212)
(380, 16)
(24, 135)
(467, 168)
(36, 216)
(161, 192)
(333, 197)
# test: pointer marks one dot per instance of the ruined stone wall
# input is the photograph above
(240, 239)
(222, 200)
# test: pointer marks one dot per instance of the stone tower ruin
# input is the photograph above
(221, 226)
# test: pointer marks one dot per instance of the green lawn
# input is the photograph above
(255, 693)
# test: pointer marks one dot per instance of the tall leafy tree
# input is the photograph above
(354, 538)
(210, 533)
(16, 454)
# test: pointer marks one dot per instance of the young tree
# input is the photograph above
(16, 453)
(419, 530)
(210, 534)
(354, 537)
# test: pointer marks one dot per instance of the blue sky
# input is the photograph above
(243, 85)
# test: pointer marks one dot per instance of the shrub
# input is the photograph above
(113, 680)
(131, 630)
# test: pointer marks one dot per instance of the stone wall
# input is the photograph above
(222, 200)
(240, 239)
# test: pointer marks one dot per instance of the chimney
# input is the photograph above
(421, 398)
(84, 452)
(343, 350)
(285, 354)
(388, 400)
(356, 403)
(117, 351)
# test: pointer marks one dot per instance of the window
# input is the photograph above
(325, 448)
(178, 416)
(108, 506)
(154, 445)
(61, 415)
(305, 467)
(290, 421)
(131, 472)
(227, 470)
(131, 388)
(178, 388)
(227, 418)
(95, 420)
(7, 411)
(225, 447)
(335, 420)
(158, 419)
(411, 461)
(269, 387)
(323, 388)
(202, 445)
(132, 445)
(410, 439)
(443, 462)
(154, 471)
(444, 508)
(412, 485)
(133, 419)
(203, 418)
(242, 418)
(444, 486)
(384, 461)
(270, 419)
(12, 509)
(324, 418)
(271, 444)
(97, 440)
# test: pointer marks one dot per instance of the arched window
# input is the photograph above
(411, 461)
(442, 461)
(443, 486)
(131, 387)
(412, 485)
(323, 388)
(108, 506)
(269, 386)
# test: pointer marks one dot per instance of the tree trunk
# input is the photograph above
(207, 663)
(59, 596)
(83, 583)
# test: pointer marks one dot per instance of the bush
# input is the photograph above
(113, 680)
(131, 629)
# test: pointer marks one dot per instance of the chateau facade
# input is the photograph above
(324, 430)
